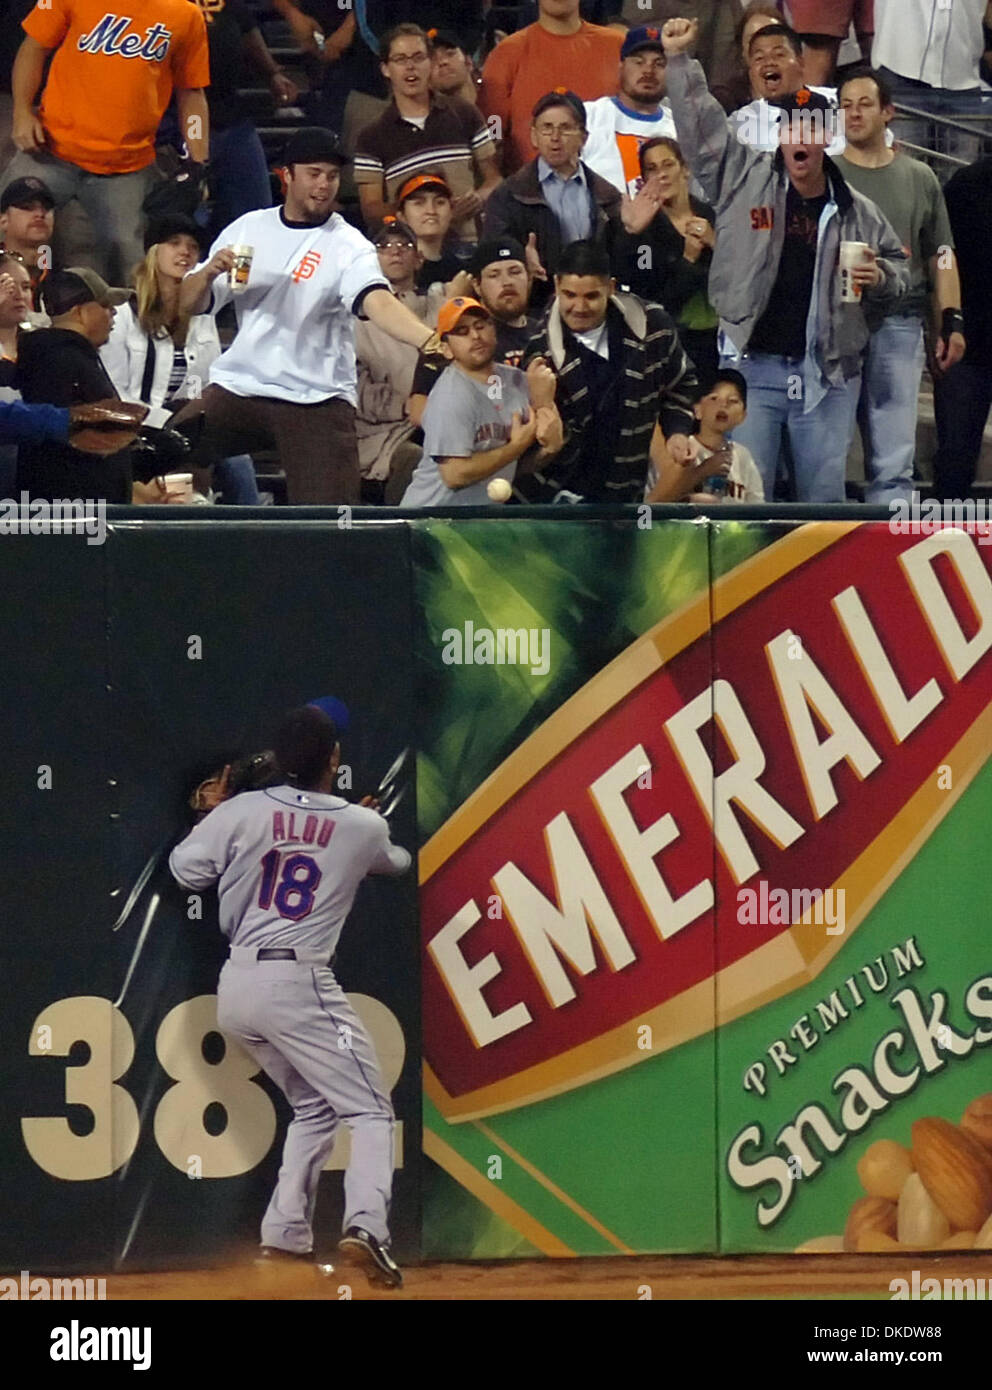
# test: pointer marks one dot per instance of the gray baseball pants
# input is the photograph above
(293, 1018)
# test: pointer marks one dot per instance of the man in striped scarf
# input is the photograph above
(625, 385)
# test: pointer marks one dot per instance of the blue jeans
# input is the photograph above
(239, 176)
(819, 440)
(961, 398)
(888, 407)
(236, 482)
(112, 202)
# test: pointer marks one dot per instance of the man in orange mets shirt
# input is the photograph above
(111, 78)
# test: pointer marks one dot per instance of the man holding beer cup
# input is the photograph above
(296, 276)
(796, 249)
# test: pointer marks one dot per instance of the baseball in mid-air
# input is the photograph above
(499, 490)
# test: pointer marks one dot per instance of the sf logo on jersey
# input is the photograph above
(307, 266)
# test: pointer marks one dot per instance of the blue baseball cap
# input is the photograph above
(644, 36)
(334, 708)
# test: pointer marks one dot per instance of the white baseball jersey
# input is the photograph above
(287, 863)
(616, 134)
(295, 338)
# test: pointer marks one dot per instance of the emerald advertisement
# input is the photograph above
(704, 958)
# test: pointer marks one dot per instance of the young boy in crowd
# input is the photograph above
(722, 471)
(483, 420)
(424, 204)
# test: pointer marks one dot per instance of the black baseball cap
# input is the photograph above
(22, 193)
(803, 100)
(313, 145)
(392, 227)
(503, 248)
(561, 96)
(445, 38)
(65, 289)
(175, 224)
(724, 376)
(644, 36)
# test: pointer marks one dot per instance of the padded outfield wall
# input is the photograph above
(701, 809)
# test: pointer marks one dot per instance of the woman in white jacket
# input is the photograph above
(159, 356)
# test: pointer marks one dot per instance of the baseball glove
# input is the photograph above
(249, 774)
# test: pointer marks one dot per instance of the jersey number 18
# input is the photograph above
(293, 890)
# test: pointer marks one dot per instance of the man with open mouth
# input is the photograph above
(776, 68)
(774, 280)
(421, 133)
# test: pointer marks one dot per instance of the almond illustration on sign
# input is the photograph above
(934, 1195)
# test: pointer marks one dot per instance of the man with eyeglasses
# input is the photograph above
(560, 47)
(421, 132)
(556, 199)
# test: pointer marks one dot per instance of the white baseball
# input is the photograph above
(499, 490)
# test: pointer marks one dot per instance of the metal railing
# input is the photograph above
(944, 142)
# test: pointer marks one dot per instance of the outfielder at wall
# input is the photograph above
(288, 861)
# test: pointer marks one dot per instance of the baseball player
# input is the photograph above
(288, 861)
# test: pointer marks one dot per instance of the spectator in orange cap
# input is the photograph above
(425, 205)
(483, 421)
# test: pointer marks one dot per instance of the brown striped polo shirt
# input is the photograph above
(453, 143)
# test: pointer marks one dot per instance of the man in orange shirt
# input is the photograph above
(110, 81)
(560, 51)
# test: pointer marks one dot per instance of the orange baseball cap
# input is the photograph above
(452, 310)
(422, 181)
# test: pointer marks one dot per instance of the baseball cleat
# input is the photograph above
(374, 1258)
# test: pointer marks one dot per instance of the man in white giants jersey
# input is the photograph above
(289, 377)
(288, 862)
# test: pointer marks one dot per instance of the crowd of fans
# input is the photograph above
(564, 251)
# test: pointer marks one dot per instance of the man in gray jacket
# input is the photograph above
(775, 281)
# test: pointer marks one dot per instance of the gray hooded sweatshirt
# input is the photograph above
(748, 191)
